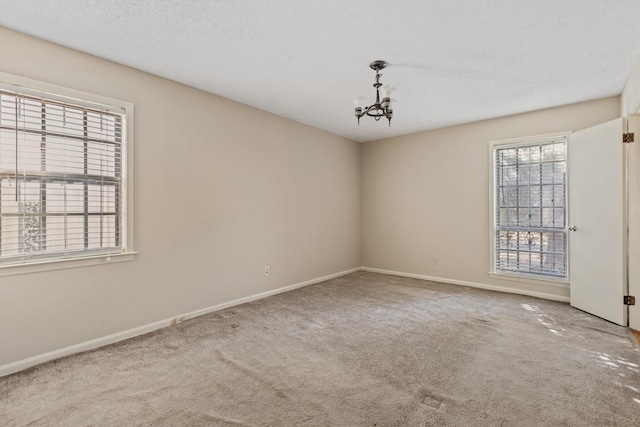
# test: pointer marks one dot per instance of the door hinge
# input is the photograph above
(629, 300)
(627, 137)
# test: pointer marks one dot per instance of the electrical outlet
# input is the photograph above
(436, 261)
(266, 270)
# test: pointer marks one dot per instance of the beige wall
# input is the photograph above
(630, 97)
(630, 103)
(426, 196)
(221, 190)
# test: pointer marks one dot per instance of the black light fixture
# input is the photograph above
(382, 108)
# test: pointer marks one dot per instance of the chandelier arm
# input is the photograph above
(376, 110)
(370, 114)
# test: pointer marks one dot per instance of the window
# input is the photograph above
(530, 207)
(63, 177)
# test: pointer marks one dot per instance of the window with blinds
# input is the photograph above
(530, 208)
(61, 178)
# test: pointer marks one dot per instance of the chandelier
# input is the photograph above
(379, 109)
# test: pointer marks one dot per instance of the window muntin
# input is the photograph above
(61, 178)
(530, 208)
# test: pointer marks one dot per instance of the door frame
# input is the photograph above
(632, 216)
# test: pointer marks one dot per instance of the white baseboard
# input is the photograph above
(20, 365)
(471, 284)
(261, 295)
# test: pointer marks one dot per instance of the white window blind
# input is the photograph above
(530, 208)
(61, 178)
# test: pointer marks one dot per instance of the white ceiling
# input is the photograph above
(452, 61)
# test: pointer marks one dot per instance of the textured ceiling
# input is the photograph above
(452, 61)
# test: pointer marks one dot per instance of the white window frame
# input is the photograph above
(562, 282)
(55, 92)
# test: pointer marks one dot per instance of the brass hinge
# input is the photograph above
(627, 137)
(629, 300)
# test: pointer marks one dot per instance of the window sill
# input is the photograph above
(558, 283)
(59, 264)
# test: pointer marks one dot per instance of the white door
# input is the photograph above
(596, 206)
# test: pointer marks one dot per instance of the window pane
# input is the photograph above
(546, 173)
(534, 196)
(558, 218)
(509, 175)
(523, 155)
(65, 120)
(29, 159)
(56, 233)
(74, 199)
(509, 156)
(101, 159)
(64, 155)
(547, 152)
(558, 196)
(523, 217)
(523, 174)
(547, 217)
(535, 219)
(508, 196)
(523, 196)
(558, 173)
(534, 174)
(547, 195)
(75, 233)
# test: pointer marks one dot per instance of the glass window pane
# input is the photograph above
(509, 175)
(547, 195)
(534, 174)
(523, 155)
(508, 196)
(523, 217)
(535, 196)
(546, 173)
(65, 120)
(64, 155)
(535, 217)
(509, 156)
(559, 172)
(523, 196)
(523, 174)
(558, 218)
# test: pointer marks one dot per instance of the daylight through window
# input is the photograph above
(61, 178)
(530, 208)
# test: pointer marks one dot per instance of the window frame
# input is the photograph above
(562, 282)
(60, 93)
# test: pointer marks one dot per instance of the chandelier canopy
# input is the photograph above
(382, 108)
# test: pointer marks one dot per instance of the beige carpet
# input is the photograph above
(360, 350)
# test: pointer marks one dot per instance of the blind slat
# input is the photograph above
(60, 178)
(530, 208)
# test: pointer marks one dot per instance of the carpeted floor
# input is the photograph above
(361, 350)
